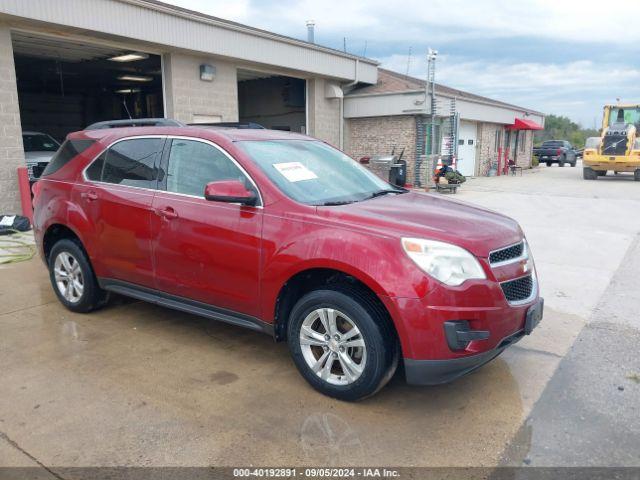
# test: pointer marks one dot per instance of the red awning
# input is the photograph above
(524, 124)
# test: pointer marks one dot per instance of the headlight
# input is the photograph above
(448, 263)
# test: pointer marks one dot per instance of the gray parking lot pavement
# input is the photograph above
(139, 385)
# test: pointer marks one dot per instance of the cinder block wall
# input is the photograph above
(323, 113)
(367, 137)
(11, 149)
(187, 95)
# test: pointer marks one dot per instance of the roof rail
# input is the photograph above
(242, 125)
(136, 122)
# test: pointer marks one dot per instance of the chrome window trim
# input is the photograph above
(534, 289)
(523, 256)
(178, 137)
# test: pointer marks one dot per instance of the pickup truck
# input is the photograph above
(556, 151)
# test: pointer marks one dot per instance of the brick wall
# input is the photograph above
(324, 113)
(487, 152)
(11, 149)
(525, 153)
(368, 137)
(187, 95)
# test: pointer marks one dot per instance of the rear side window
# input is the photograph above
(132, 163)
(67, 151)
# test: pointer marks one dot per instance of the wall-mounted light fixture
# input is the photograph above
(129, 57)
(207, 73)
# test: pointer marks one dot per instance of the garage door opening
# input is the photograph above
(64, 85)
(273, 101)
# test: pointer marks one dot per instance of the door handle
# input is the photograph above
(167, 212)
(89, 196)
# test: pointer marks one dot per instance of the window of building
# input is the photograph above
(193, 164)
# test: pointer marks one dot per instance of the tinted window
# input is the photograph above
(68, 150)
(193, 164)
(129, 162)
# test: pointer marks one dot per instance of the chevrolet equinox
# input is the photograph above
(284, 234)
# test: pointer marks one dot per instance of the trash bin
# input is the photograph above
(398, 173)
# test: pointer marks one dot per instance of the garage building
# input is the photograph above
(69, 63)
(395, 113)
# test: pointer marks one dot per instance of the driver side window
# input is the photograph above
(193, 164)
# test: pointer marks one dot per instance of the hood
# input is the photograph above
(428, 216)
(35, 157)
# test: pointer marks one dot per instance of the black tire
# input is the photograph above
(548, 164)
(589, 174)
(636, 175)
(92, 297)
(371, 319)
(562, 160)
(573, 164)
(601, 173)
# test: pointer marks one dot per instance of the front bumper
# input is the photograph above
(436, 372)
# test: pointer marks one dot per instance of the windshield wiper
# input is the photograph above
(386, 191)
(333, 204)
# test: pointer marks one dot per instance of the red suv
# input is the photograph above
(284, 234)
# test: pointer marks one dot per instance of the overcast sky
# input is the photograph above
(564, 57)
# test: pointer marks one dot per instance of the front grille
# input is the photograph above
(615, 144)
(518, 289)
(508, 253)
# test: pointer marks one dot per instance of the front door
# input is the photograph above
(117, 199)
(204, 250)
(467, 138)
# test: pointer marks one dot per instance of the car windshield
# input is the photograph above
(39, 142)
(314, 173)
(553, 143)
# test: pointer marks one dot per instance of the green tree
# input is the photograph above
(562, 128)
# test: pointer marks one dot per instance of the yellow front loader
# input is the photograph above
(618, 147)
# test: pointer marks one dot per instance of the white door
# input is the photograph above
(467, 138)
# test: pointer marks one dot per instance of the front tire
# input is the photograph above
(589, 174)
(342, 342)
(636, 175)
(72, 278)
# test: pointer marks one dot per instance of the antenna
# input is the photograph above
(364, 51)
(409, 61)
(344, 44)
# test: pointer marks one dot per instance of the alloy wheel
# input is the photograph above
(333, 346)
(68, 277)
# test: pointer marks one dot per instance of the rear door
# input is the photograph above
(117, 198)
(206, 251)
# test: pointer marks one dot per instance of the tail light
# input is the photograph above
(559, 152)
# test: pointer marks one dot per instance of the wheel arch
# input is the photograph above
(311, 278)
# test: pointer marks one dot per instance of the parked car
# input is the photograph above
(556, 151)
(283, 234)
(38, 150)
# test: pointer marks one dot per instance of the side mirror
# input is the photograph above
(229, 191)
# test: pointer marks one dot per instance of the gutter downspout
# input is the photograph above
(348, 85)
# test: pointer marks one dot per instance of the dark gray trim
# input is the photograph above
(185, 305)
(436, 372)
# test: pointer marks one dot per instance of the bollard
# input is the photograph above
(25, 193)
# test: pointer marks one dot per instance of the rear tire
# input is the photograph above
(573, 164)
(636, 175)
(337, 362)
(601, 173)
(72, 278)
(548, 164)
(589, 174)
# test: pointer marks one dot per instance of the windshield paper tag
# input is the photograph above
(295, 171)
